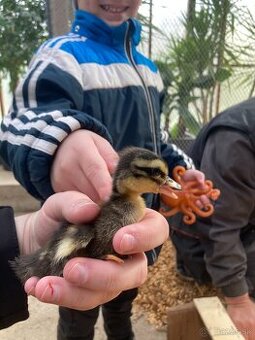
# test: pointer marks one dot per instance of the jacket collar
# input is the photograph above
(92, 27)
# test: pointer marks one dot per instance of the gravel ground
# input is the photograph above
(42, 322)
(164, 289)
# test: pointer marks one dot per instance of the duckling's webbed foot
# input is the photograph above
(111, 257)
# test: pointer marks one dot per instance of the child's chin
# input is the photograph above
(114, 23)
(117, 21)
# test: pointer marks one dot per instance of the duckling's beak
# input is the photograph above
(169, 187)
(172, 184)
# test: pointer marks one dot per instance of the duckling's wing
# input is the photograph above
(75, 238)
(51, 259)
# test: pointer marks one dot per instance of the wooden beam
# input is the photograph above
(216, 319)
(203, 319)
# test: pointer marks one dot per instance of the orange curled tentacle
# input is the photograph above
(214, 194)
(189, 217)
(168, 213)
(178, 172)
(205, 212)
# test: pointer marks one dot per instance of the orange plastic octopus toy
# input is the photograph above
(185, 200)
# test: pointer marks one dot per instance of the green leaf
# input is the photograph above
(223, 74)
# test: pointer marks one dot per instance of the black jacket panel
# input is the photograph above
(13, 299)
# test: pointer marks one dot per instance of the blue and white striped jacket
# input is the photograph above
(93, 78)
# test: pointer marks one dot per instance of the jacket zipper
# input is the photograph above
(128, 51)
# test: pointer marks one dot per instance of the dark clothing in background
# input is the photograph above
(224, 244)
(117, 321)
(13, 299)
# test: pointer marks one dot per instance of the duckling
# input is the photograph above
(139, 171)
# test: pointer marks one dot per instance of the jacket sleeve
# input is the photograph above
(47, 107)
(175, 156)
(13, 299)
(230, 165)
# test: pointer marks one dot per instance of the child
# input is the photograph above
(86, 95)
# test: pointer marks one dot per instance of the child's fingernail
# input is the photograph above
(30, 285)
(82, 202)
(77, 274)
(127, 243)
(29, 289)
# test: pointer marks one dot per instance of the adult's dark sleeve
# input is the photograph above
(13, 299)
(228, 160)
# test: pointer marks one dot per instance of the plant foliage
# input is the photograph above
(201, 60)
(22, 29)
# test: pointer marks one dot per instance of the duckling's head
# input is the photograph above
(141, 171)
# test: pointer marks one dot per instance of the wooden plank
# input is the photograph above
(184, 323)
(216, 319)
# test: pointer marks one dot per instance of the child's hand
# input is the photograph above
(84, 162)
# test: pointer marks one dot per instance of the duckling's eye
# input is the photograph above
(152, 172)
(155, 172)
